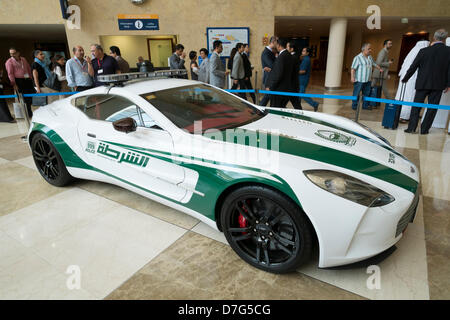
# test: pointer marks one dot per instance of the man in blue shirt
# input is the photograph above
(304, 73)
(77, 74)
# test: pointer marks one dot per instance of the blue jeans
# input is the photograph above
(310, 101)
(357, 88)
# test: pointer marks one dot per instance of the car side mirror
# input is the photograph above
(125, 125)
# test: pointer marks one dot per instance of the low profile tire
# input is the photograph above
(266, 229)
(49, 162)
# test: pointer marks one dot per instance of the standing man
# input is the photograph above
(280, 77)
(304, 73)
(267, 61)
(248, 71)
(144, 65)
(238, 71)
(19, 74)
(203, 73)
(177, 60)
(77, 73)
(433, 78)
(217, 73)
(101, 64)
(361, 72)
(291, 48)
(123, 64)
(384, 62)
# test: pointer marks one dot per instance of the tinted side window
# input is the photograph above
(147, 121)
(107, 107)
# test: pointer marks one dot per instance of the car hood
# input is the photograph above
(335, 140)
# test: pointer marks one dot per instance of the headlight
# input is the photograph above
(349, 188)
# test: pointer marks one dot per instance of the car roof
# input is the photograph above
(139, 87)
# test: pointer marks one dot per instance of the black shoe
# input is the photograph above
(408, 131)
(316, 107)
(425, 132)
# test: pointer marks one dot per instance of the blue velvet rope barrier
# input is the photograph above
(407, 103)
(292, 94)
(308, 95)
(50, 94)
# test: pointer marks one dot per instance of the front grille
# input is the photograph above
(408, 216)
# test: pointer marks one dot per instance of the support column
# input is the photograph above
(335, 59)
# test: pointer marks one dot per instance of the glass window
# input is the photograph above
(146, 120)
(107, 107)
(214, 108)
(112, 108)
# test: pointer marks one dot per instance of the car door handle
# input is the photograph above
(91, 135)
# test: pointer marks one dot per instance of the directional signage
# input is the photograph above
(138, 21)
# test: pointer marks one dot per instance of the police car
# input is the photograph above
(276, 182)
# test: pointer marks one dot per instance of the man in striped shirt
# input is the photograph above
(361, 73)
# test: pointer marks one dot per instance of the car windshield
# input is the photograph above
(214, 108)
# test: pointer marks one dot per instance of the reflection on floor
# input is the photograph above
(128, 247)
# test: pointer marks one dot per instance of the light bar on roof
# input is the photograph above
(123, 77)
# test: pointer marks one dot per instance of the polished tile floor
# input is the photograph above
(125, 246)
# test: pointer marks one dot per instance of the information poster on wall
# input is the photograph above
(229, 37)
(138, 21)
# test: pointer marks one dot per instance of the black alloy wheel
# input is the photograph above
(266, 229)
(48, 161)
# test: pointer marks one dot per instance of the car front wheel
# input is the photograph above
(266, 229)
(48, 161)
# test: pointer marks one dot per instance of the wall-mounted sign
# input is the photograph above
(138, 21)
(229, 37)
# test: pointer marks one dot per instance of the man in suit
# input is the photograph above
(217, 73)
(267, 61)
(177, 60)
(248, 70)
(433, 78)
(280, 78)
(292, 48)
(238, 71)
(384, 62)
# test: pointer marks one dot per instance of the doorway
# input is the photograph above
(323, 54)
(159, 51)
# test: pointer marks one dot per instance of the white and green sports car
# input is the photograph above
(274, 181)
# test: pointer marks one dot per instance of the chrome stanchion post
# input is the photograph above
(358, 107)
(256, 88)
(24, 109)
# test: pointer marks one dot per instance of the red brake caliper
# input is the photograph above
(242, 221)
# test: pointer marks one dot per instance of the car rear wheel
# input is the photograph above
(48, 161)
(266, 229)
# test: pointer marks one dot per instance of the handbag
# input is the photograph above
(52, 82)
(18, 114)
